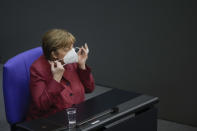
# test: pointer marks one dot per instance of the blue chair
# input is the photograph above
(16, 77)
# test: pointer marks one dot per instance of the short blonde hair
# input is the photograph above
(55, 39)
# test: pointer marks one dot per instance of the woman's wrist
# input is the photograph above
(57, 78)
(82, 66)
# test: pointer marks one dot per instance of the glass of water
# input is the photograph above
(71, 113)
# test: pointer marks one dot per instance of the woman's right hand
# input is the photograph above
(57, 70)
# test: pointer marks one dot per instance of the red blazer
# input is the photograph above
(49, 96)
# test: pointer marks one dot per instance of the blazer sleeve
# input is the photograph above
(44, 94)
(86, 78)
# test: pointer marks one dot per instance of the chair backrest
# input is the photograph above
(16, 77)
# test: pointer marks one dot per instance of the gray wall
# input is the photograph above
(136, 45)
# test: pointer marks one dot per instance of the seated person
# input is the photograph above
(60, 77)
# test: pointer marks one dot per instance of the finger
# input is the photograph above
(79, 52)
(62, 61)
(50, 62)
(84, 50)
(52, 66)
(86, 46)
(59, 64)
(55, 64)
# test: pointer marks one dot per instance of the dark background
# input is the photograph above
(137, 45)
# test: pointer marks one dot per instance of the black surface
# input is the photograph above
(85, 110)
(147, 121)
(103, 102)
(96, 105)
(132, 107)
(38, 125)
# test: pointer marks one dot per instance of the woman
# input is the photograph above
(60, 77)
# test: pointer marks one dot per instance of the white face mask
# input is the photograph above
(70, 57)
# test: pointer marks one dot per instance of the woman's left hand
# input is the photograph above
(83, 56)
